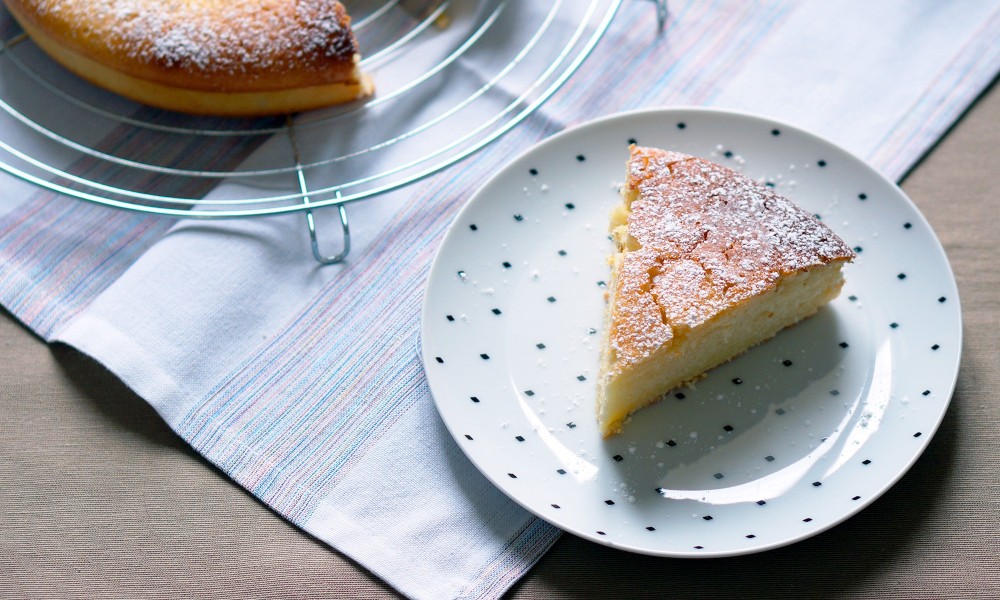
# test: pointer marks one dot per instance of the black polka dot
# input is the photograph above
(699, 547)
(775, 132)
(942, 299)
(554, 505)
(468, 437)
(632, 141)
(650, 528)
(769, 458)
(737, 380)
(858, 249)
(718, 476)
(581, 378)
(602, 284)
(484, 356)
(679, 396)
(862, 197)
(907, 225)
(894, 325)
(844, 344)
(506, 265)
(571, 425)
(821, 163)
(511, 475)
(779, 411)
(580, 157)
(681, 125)
(601, 533)
(770, 184)
(708, 517)
(518, 218)
(671, 443)
(925, 393)
(750, 536)
(561, 471)
(817, 483)
(728, 428)
(461, 274)
(761, 502)
(917, 434)
(533, 171)
(834, 392)
(787, 362)
(856, 498)
(473, 227)
(551, 299)
(807, 520)
(439, 359)
(591, 331)
(935, 347)
(901, 276)
(609, 502)
(728, 153)
(852, 298)
(474, 399)
(866, 461)
(449, 317)
(496, 311)
(529, 392)
(540, 346)
(570, 205)
(618, 457)
(562, 253)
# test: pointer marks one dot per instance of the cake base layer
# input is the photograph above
(795, 297)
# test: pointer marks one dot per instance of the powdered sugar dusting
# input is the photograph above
(233, 37)
(701, 237)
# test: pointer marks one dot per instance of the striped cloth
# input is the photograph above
(304, 384)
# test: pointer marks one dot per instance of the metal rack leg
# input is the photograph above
(345, 228)
(661, 13)
(345, 247)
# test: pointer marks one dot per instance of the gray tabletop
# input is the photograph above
(98, 498)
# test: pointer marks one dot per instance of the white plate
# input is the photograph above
(790, 439)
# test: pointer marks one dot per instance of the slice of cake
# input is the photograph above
(708, 264)
(238, 58)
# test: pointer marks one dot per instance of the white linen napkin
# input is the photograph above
(303, 383)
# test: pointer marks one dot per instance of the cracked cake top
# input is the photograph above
(701, 237)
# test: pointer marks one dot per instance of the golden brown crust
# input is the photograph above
(700, 239)
(255, 53)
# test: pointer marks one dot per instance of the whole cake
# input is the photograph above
(708, 264)
(216, 57)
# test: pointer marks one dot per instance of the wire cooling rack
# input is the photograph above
(497, 60)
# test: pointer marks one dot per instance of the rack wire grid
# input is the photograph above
(498, 59)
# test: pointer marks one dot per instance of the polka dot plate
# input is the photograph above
(783, 442)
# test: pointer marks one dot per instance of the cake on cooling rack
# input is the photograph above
(708, 264)
(215, 57)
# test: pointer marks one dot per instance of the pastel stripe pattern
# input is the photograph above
(49, 272)
(57, 254)
(289, 424)
(955, 88)
(508, 565)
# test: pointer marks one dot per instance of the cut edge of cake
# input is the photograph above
(718, 264)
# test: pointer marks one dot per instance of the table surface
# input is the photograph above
(98, 498)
